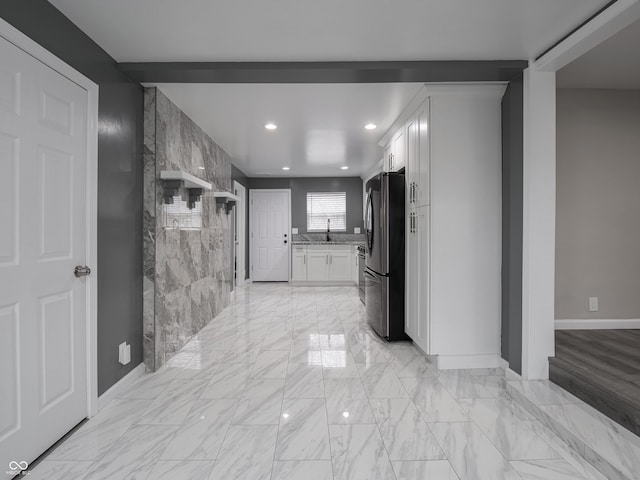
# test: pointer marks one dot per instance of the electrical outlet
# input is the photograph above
(593, 304)
(356, 229)
(124, 353)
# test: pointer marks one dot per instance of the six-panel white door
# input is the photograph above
(43, 371)
(270, 235)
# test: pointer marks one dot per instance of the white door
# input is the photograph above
(241, 222)
(43, 155)
(270, 235)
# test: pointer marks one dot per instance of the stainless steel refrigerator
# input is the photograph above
(384, 264)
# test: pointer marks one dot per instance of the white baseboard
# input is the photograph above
(120, 386)
(508, 373)
(456, 362)
(597, 324)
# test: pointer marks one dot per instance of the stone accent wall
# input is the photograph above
(187, 273)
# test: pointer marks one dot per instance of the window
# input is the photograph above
(323, 206)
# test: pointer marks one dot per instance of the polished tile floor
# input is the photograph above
(289, 383)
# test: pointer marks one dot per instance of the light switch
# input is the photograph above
(294, 231)
(356, 230)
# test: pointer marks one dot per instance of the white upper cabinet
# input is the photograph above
(395, 152)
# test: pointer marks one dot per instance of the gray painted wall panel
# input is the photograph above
(597, 203)
(512, 203)
(301, 185)
(119, 266)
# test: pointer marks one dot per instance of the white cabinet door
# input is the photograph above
(317, 265)
(399, 150)
(299, 264)
(387, 157)
(422, 175)
(411, 276)
(422, 279)
(340, 266)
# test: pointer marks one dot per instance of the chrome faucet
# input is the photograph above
(328, 229)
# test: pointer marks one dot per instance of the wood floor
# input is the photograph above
(602, 367)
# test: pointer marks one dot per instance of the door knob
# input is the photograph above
(81, 271)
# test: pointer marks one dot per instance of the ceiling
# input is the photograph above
(320, 125)
(614, 64)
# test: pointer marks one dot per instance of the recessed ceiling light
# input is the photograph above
(201, 168)
(285, 168)
(270, 126)
(344, 168)
(370, 126)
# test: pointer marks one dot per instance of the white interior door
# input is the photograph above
(43, 155)
(270, 235)
(241, 222)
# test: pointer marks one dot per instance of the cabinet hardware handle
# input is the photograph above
(304, 260)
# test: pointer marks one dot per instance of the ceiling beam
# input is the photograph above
(323, 72)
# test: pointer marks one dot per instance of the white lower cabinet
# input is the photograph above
(323, 263)
(417, 321)
(299, 264)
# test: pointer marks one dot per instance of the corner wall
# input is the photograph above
(188, 273)
(598, 204)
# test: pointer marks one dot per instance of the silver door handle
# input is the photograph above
(304, 259)
(81, 271)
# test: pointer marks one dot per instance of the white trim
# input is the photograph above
(511, 375)
(120, 386)
(457, 362)
(597, 324)
(538, 223)
(20, 40)
(251, 190)
(615, 18)
(318, 283)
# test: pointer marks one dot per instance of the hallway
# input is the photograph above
(289, 383)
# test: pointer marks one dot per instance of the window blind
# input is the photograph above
(323, 206)
(178, 216)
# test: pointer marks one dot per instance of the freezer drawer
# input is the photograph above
(375, 291)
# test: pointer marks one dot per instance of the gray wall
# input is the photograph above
(301, 185)
(119, 266)
(188, 273)
(512, 156)
(598, 203)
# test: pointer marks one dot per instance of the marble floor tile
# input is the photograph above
(261, 403)
(271, 364)
(601, 435)
(95, 437)
(59, 470)
(486, 372)
(134, 454)
(546, 470)
(358, 453)
(336, 358)
(278, 339)
(302, 470)
(349, 370)
(460, 384)
(347, 402)
(303, 381)
(228, 381)
(201, 434)
(172, 470)
(509, 434)
(202, 364)
(471, 454)
(303, 433)
(495, 385)
(543, 392)
(172, 406)
(247, 453)
(150, 385)
(380, 381)
(430, 470)
(368, 353)
(405, 435)
(409, 362)
(433, 401)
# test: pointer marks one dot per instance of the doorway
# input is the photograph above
(48, 136)
(240, 223)
(270, 230)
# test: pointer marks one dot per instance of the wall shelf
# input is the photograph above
(189, 181)
(227, 199)
(173, 180)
